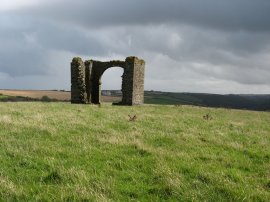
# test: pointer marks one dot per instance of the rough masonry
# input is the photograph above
(86, 80)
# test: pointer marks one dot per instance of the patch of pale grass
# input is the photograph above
(8, 186)
(5, 119)
(115, 140)
(236, 145)
(172, 179)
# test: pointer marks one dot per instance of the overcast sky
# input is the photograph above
(210, 46)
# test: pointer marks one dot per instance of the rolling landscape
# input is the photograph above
(134, 101)
(170, 150)
(233, 101)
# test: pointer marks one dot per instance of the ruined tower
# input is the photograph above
(86, 80)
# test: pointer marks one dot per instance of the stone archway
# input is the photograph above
(86, 80)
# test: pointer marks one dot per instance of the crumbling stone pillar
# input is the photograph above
(133, 82)
(138, 81)
(78, 87)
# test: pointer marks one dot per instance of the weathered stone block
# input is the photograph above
(78, 88)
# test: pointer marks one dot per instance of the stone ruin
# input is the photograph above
(86, 80)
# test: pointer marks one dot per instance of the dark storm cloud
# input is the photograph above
(57, 37)
(25, 47)
(217, 44)
(19, 54)
(222, 14)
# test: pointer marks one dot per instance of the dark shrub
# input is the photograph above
(45, 98)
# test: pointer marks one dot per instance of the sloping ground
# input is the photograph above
(64, 152)
(251, 102)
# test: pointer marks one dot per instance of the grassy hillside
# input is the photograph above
(252, 102)
(64, 152)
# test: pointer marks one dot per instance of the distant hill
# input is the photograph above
(251, 102)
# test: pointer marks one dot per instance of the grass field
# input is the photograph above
(60, 95)
(64, 152)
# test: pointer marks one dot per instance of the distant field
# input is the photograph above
(63, 152)
(37, 94)
(59, 95)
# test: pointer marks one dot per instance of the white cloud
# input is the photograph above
(6, 5)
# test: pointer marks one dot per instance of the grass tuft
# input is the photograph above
(53, 177)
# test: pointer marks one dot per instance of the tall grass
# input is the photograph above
(64, 152)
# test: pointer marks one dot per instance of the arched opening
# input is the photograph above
(111, 85)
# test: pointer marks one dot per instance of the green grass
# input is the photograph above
(3, 97)
(171, 98)
(64, 152)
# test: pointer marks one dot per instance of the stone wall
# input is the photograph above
(86, 80)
